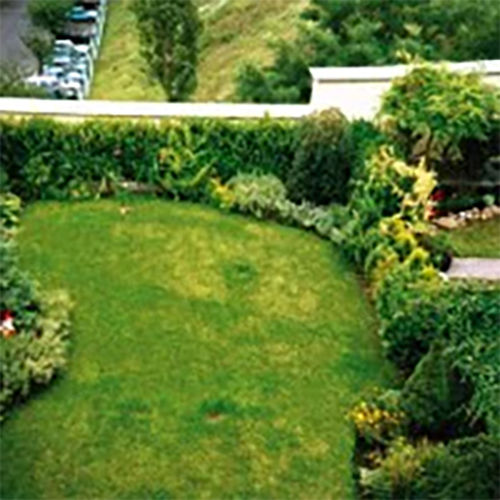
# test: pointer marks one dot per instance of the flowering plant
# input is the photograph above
(7, 328)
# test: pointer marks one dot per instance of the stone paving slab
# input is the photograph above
(474, 268)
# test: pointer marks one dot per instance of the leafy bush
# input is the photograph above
(435, 397)
(33, 357)
(264, 197)
(46, 159)
(320, 171)
(389, 189)
(10, 210)
(12, 83)
(415, 312)
(451, 119)
(464, 468)
(33, 346)
(258, 195)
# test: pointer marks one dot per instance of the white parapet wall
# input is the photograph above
(356, 91)
(147, 110)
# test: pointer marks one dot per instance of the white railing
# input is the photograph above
(153, 110)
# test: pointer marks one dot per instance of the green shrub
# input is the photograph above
(35, 350)
(435, 397)
(390, 188)
(362, 140)
(47, 159)
(415, 313)
(10, 211)
(464, 468)
(451, 119)
(34, 357)
(320, 171)
(265, 197)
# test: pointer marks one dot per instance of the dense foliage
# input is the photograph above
(169, 31)
(372, 32)
(451, 119)
(320, 171)
(49, 15)
(265, 197)
(35, 325)
(12, 83)
(46, 159)
(464, 468)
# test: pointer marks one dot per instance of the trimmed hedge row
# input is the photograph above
(41, 158)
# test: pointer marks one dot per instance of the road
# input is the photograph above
(12, 22)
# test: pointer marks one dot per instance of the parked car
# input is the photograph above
(71, 89)
(76, 76)
(79, 14)
(83, 33)
(47, 82)
(68, 72)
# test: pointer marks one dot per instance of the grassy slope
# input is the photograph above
(120, 74)
(481, 239)
(235, 31)
(238, 31)
(212, 356)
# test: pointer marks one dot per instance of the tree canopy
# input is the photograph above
(169, 31)
(373, 32)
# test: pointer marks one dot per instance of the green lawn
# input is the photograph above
(480, 239)
(213, 356)
(234, 31)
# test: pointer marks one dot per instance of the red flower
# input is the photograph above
(438, 195)
(7, 328)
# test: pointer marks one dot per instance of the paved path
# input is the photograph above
(486, 269)
(12, 22)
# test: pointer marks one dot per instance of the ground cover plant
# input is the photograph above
(211, 353)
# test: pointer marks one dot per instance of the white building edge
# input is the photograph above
(356, 91)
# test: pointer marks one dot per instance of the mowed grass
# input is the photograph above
(235, 31)
(212, 356)
(480, 239)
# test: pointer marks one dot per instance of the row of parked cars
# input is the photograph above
(68, 72)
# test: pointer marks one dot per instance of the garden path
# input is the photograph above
(475, 268)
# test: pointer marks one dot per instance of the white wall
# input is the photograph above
(153, 110)
(357, 91)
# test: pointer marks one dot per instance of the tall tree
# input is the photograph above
(169, 31)
(49, 14)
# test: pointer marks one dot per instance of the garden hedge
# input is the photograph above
(42, 158)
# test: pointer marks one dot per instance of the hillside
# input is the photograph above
(234, 31)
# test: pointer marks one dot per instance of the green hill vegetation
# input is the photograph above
(235, 31)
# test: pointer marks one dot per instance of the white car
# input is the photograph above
(80, 78)
(47, 82)
(71, 89)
